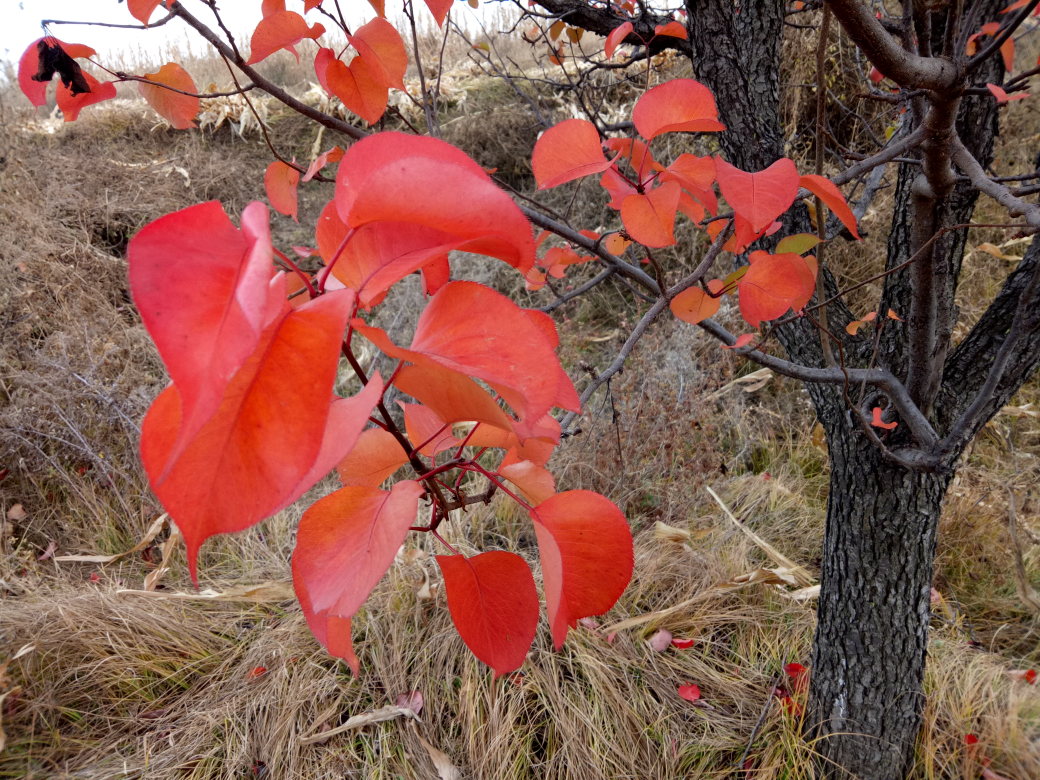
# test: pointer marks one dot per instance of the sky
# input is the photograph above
(20, 22)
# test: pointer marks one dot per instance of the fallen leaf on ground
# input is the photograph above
(445, 769)
(660, 641)
(411, 701)
(16, 513)
(263, 593)
(365, 719)
(49, 551)
(149, 536)
(690, 692)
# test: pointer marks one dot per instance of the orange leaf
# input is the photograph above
(439, 9)
(691, 208)
(494, 604)
(827, 191)
(771, 283)
(355, 87)
(893, 316)
(273, 437)
(375, 457)
(344, 545)
(679, 105)
(617, 35)
(877, 422)
(452, 396)
(567, 151)
(333, 155)
(635, 152)
(806, 268)
(615, 184)
(426, 430)
(586, 550)
(650, 219)
(203, 339)
(435, 274)
(382, 49)
(280, 182)
(1007, 52)
(556, 29)
(695, 174)
(693, 305)
(1002, 97)
(174, 107)
(616, 244)
(742, 341)
(759, 197)
(535, 482)
(142, 10)
(280, 30)
(673, 29)
(71, 105)
(389, 176)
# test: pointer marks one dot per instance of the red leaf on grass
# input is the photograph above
(690, 692)
(650, 219)
(383, 51)
(617, 35)
(877, 422)
(826, 191)
(567, 151)
(203, 335)
(759, 197)
(347, 541)
(280, 182)
(494, 604)
(388, 177)
(1023, 675)
(586, 550)
(682, 644)
(177, 109)
(375, 457)
(280, 30)
(970, 739)
(275, 433)
(679, 105)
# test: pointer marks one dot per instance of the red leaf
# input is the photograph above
(426, 430)
(586, 550)
(355, 86)
(476, 331)
(1007, 52)
(175, 108)
(970, 739)
(535, 482)
(759, 197)
(617, 35)
(388, 177)
(619, 189)
(650, 219)
(742, 341)
(452, 396)
(826, 191)
(695, 174)
(494, 604)
(280, 182)
(635, 152)
(71, 105)
(382, 49)
(1002, 97)
(203, 334)
(693, 305)
(329, 232)
(439, 9)
(280, 30)
(29, 65)
(673, 29)
(375, 457)
(877, 422)
(332, 632)
(257, 671)
(682, 644)
(347, 541)
(333, 155)
(274, 435)
(435, 274)
(567, 151)
(142, 10)
(769, 286)
(679, 105)
(693, 210)
(690, 692)
(799, 677)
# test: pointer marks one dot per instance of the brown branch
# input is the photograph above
(1001, 194)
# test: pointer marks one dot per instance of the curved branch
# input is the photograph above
(1016, 207)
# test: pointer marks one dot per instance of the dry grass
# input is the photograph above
(134, 686)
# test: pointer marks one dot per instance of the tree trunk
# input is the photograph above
(869, 655)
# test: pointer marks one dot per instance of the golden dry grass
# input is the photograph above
(140, 686)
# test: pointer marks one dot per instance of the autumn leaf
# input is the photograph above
(690, 692)
(566, 151)
(679, 105)
(586, 550)
(800, 243)
(877, 422)
(375, 457)
(650, 219)
(826, 191)
(693, 305)
(617, 35)
(44, 58)
(333, 155)
(280, 182)
(330, 232)
(382, 49)
(71, 104)
(452, 396)
(770, 285)
(356, 88)
(1002, 97)
(682, 644)
(614, 183)
(177, 109)
(280, 30)
(759, 197)
(635, 153)
(535, 482)
(142, 10)
(494, 605)
(673, 29)
(439, 9)
(426, 430)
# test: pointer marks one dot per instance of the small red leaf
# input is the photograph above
(635, 153)
(426, 430)
(673, 29)
(280, 30)
(567, 151)
(759, 197)
(257, 671)
(586, 550)
(877, 422)
(383, 51)
(439, 9)
(690, 692)
(177, 109)
(280, 182)
(356, 88)
(617, 35)
(970, 739)
(826, 191)
(679, 105)
(335, 154)
(742, 341)
(494, 604)
(142, 10)
(682, 644)
(650, 219)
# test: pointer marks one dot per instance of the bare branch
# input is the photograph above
(1001, 194)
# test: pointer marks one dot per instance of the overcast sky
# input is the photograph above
(20, 22)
